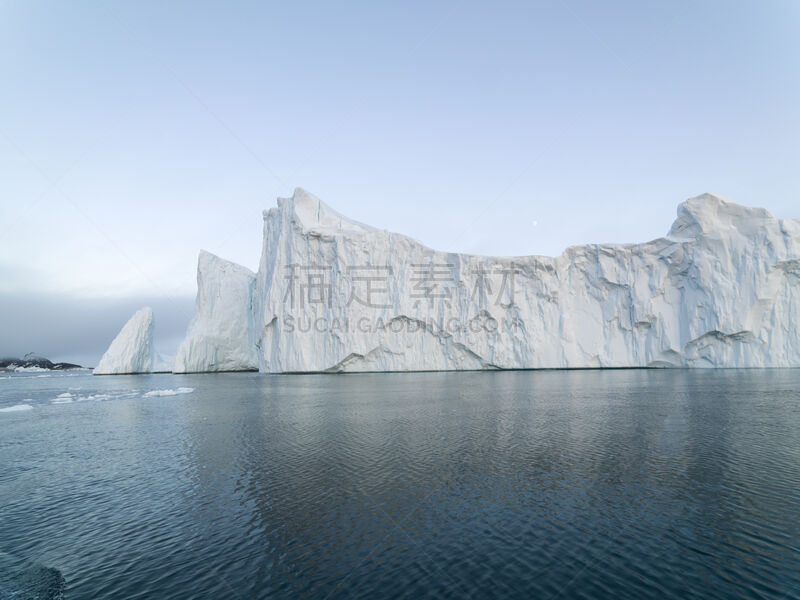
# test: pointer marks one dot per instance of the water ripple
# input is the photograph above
(595, 484)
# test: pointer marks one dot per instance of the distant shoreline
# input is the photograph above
(34, 363)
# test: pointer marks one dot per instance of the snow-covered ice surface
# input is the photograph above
(221, 335)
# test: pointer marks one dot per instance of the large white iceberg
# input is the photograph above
(721, 289)
(132, 350)
(221, 335)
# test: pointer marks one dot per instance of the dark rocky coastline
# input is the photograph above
(30, 360)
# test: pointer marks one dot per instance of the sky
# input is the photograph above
(133, 134)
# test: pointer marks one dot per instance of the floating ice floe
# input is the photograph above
(180, 390)
(17, 408)
(64, 398)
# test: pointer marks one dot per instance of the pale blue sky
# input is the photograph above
(133, 134)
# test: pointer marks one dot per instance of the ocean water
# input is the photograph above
(549, 484)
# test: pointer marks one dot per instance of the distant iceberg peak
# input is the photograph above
(309, 213)
(712, 212)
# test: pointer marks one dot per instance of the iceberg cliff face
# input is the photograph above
(221, 335)
(722, 289)
(132, 350)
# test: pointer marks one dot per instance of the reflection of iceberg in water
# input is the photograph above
(25, 580)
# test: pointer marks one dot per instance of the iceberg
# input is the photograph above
(720, 289)
(221, 335)
(132, 350)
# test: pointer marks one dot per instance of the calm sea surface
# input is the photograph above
(549, 484)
